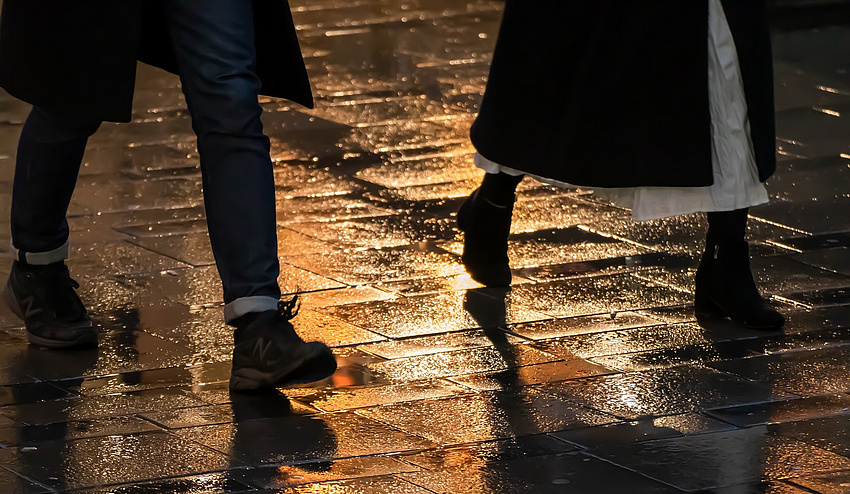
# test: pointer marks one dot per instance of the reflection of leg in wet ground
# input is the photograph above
(268, 430)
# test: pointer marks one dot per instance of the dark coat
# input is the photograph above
(79, 56)
(614, 93)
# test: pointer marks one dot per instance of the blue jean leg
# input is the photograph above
(50, 150)
(214, 44)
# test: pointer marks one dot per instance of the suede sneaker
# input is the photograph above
(45, 298)
(269, 354)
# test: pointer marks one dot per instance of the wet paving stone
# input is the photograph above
(441, 343)
(481, 453)
(92, 462)
(663, 391)
(459, 362)
(834, 483)
(196, 484)
(12, 483)
(647, 429)
(809, 217)
(595, 295)
(818, 242)
(434, 314)
(528, 375)
(804, 373)
(830, 433)
(566, 472)
(555, 328)
(358, 486)
(86, 408)
(784, 411)
(611, 265)
(350, 468)
(357, 267)
(32, 435)
(830, 260)
(377, 232)
(353, 398)
(626, 341)
(296, 439)
(821, 298)
(691, 355)
(487, 416)
(759, 488)
(722, 459)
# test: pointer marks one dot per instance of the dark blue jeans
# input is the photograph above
(214, 45)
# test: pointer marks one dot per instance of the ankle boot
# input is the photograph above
(725, 288)
(485, 241)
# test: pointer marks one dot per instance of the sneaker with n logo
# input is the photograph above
(268, 353)
(45, 298)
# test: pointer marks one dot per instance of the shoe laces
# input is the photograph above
(288, 309)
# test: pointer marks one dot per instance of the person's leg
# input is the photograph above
(485, 219)
(724, 282)
(214, 44)
(39, 289)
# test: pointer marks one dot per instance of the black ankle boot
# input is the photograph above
(485, 241)
(725, 288)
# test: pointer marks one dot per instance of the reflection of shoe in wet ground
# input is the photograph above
(486, 227)
(269, 354)
(45, 298)
(725, 288)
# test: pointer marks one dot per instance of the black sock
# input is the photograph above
(499, 188)
(727, 226)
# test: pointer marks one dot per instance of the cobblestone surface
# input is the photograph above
(590, 375)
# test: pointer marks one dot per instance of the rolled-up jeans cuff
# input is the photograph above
(42, 258)
(244, 305)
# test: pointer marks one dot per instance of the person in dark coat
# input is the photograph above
(75, 62)
(661, 106)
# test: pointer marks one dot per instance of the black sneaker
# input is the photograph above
(44, 297)
(269, 354)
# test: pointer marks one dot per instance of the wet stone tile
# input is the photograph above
(784, 411)
(625, 341)
(15, 358)
(809, 217)
(440, 343)
(327, 208)
(296, 439)
(89, 408)
(646, 429)
(707, 461)
(758, 488)
(823, 297)
(817, 242)
(834, 260)
(421, 171)
(366, 485)
(805, 373)
(528, 375)
(352, 398)
(356, 267)
(92, 462)
(168, 377)
(604, 294)
(487, 416)
(812, 340)
(662, 392)
(607, 265)
(207, 483)
(306, 473)
(433, 314)
(566, 472)
(15, 484)
(259, 408)
(427, 286)
(830, 433)
(342, 296)
(459, 362)
(29, 435)
(117, 258)
(481, 453)
(28, 393)
(690, 355)
(555, 328)
(834, 483)
(377, 232)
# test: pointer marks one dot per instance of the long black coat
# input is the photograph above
(79, 56)
(614, 93)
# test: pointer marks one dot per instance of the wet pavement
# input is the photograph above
(589, 376)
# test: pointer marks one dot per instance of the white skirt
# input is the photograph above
(736, 184)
